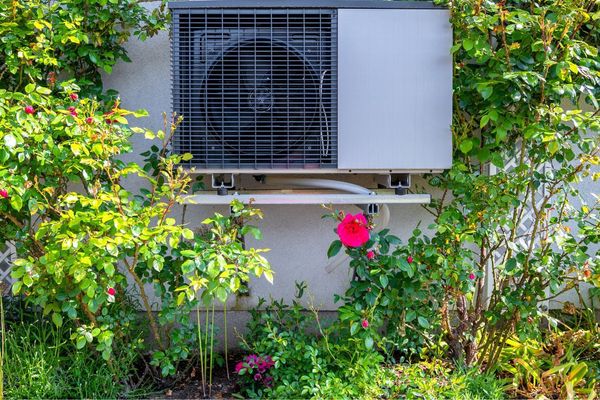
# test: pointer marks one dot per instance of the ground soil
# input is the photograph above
(191, 387)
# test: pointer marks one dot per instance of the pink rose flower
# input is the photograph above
(89, 120)
(365, 323)
(409, 259)
(111, 291)
(353, 230)
(74, 96)
(3, 193)
(370, 254)
(29, 110)
(257, 377)
(471, 276)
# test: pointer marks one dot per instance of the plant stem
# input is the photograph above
(225, 334)
(212, 343)
(200, 351)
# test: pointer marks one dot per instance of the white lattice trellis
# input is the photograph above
(525, 227)
(7, 255)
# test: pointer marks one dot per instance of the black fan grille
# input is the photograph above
(256, 87)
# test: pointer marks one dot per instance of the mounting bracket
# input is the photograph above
(222, 182)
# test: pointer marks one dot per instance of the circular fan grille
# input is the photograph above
(262, 97)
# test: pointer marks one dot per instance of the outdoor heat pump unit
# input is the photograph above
(307, 87)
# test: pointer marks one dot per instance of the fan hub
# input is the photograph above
(261, 99)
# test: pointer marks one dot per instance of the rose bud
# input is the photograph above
(29, 110)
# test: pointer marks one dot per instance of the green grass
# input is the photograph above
(42, 363)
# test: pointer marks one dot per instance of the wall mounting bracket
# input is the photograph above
(289, 198)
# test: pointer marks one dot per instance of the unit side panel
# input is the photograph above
(395, 89)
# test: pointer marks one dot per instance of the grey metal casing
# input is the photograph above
(394, 89)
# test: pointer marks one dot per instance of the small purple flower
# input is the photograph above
(257, 377)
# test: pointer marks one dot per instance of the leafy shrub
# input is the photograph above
(436, 380)
(561, 365)
(81, 236)
(392, 300)
(43, 40)
(525, 89)
(326, 363)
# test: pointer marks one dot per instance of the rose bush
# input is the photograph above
(392, 299)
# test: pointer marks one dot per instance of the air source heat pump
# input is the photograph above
(312, 86)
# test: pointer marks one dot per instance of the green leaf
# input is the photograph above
(187, 234)
(484, 121)
(16, 287)
(466, 146)
(383, 279)
(334, 248)
(269, 275)
(43, 90)
(188, 266)
(354, 328)
(80, 342)
(485, 90)
(369, 342)
(110, 269)
(423, 322)
(467, 44)
(57, 319)
(222, 294)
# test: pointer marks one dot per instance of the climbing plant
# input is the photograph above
(511, 227)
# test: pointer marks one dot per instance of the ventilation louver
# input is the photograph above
(256, 88)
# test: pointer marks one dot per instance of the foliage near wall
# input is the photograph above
(526, 88)
(85, 242)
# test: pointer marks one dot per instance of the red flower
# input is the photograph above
(74, 96)
(353, 230)
(3, 193)
(89, 120)
(364, 323)
(471, 276)
(111, 291)
(238, 367)
(29, 110)
(370, 254)
(409, 259)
